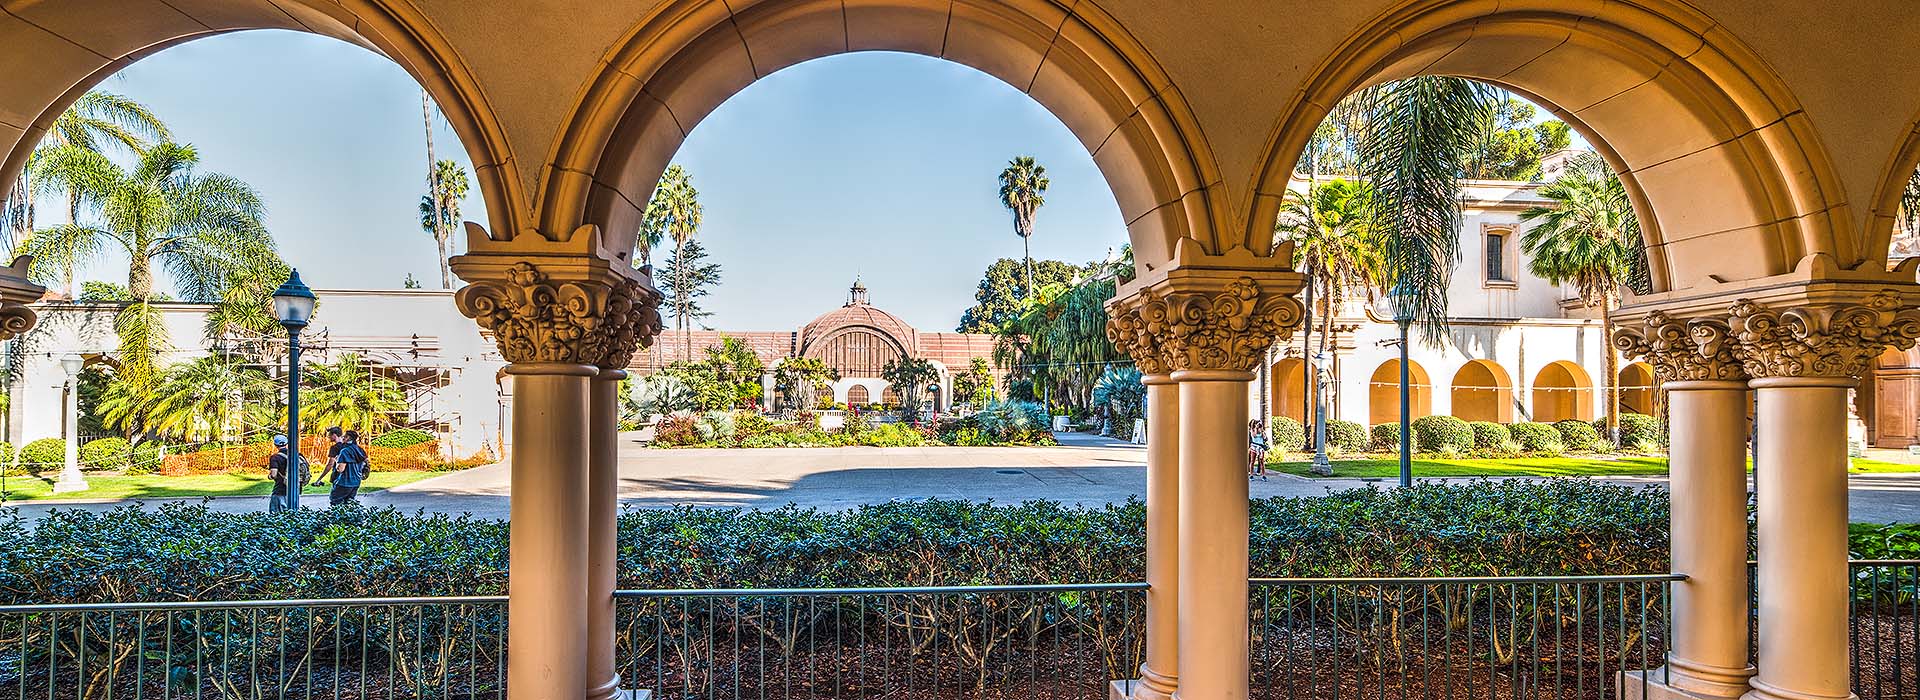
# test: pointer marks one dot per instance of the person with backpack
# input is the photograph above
(348, 466)
(277, 469)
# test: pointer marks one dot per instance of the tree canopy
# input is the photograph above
(998, 298)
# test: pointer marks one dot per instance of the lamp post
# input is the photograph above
(293, 305)
(1321, 377)
(70, 477)
(1400, 301)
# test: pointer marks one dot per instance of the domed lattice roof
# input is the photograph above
(857, 312)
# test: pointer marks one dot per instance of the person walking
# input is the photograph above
(284, 466)
(1256, 450)
(347, 468)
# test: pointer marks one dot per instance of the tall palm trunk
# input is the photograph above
(1610, 384)
(680, 296)
(440, 232)
(1026, 245)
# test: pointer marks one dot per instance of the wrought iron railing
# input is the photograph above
(1489, 637)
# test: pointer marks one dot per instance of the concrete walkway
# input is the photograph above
(1084, 470)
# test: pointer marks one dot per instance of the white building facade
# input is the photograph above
(1519, 348)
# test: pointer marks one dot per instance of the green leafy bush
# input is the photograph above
(676, 430)
(43, 454)
(1579, 436)
(892, 435)
(107, 454)
(1637, 430)
(1442, 434)
(1347, 436)
(404, 437)
(146, 457)
(1490, 436)
(188, 551)
(1288, 434)
(1386, 438)
(6, 460)
(1538, 438)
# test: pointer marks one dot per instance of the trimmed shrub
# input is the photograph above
(1386, 438)
(1347, 435)
(43, 454)
(1288, 434)
(1442, 434)
(107, 454)
(146, 457)
(1490, 436)
(404, 437)
(1538, 438)
(1579, 436)
(1636, 429)
(187, 551)
(677, 429)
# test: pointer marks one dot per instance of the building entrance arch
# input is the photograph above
(1483, 391)
(1637, 389)
(1562, 391)
(1383, 392)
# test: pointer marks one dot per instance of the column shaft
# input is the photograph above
(1803, 587)
(1213, 535)
(1158, 676)
(1708, 482)
(603, 498)
(547, 620)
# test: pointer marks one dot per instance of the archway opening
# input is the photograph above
(1637, 389)
(1289, 389)
(1482, 391)
(1562, 391)
(857, 396)
(1383, 392)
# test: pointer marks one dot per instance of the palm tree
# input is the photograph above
(347, 394)
(1023, 189)
(440, 211)
(1589, 238)
(673, 211)
(97, 122)
(1334, 242)
(205, 399)
(200, 228)
(1415, 135)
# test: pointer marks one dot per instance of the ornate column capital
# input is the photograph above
(558, 306)
(16, 292)
(1697, 349)
(1205, 319)
(1828, 339)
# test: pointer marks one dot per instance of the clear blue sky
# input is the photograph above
(878, 165)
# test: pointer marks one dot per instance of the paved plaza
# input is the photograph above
(1085, 471)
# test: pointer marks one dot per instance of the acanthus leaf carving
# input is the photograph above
(1829, 340)
(1204, 329)
(535, 319)
(1682, 350)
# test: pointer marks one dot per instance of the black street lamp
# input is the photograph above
(293, 305)
(1400, 301)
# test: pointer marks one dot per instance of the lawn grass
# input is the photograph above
(1582, 465)
(31, 488)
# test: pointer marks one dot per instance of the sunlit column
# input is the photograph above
(603, 498)
(1707, 386)
(1804, 355)
(547, 551)
(1159, 674)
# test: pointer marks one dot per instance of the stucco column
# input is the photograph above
(1212, 663)
(1210, 328)
(554, 322)
(603, 499)
(1804, 354)
(1707, 386)
(1159, 674)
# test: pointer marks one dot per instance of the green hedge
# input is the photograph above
(1385, 437)
(187, 551)
(1637, 430)
(43, 454)
(1442, 434)
(1488, 435)
(1347, 435)
(1538, 438)
(404, 437)
(1580, 436)
(1288, 434)
(107, 454)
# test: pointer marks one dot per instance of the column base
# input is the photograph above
(1763, 691)
(64, 486)
(1666, 683)
(1135, 690)
(609, 691)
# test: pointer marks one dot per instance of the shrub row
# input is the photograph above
(182, 551)
(1342, 436)
(997, 423)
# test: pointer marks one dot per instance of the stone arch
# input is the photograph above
(74, 48)
(1714, 150)
(1383, 392)
(1637, 388)
(1289, 390)
(1562, 391)
(685, 57)
(856, 351)
(1482, 390)
(857, 395)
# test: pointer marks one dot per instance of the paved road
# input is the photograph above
(1085, 471)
